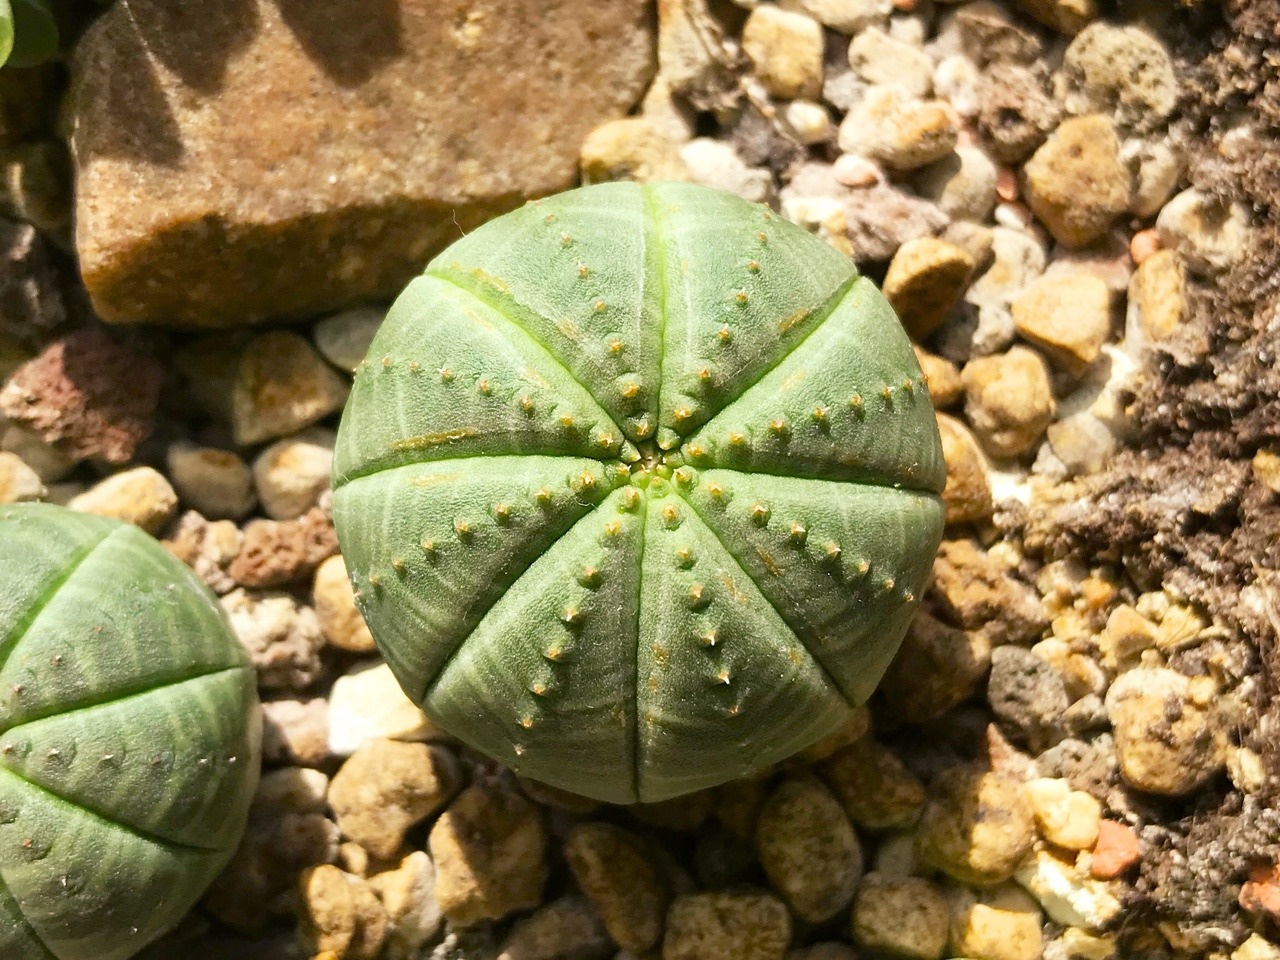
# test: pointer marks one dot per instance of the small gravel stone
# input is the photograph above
(1256, 948)
(291, 474)
(217, 483)
(963, 184)
(844, 16)
(271, 386)
(387, 787)
(975, 239)
(967, 494)
(72, 396)
(809, 121)
(622, 882)
(408, 897)
(140, 496)
(279, 552)
(1028, 694)
(1067, 818)
(893, 128)
(1016, 112)
(296, 789)
(1082, 443)
(880, 59)
(207, 548)
(1121, 70)
(1157, 303)
(1008, 401)
(786, 50)
(1106, 259)
(957, 80)
(490, 850)
(1158, 166)
(295, 731)
(937, 668)
(873, 786)
(1076, 184)
(367, 703)
(976, 827)
(339, 915)
(1209, 235)
(880, 219)
(335, 604)
(984, 33)
(1068, 317)
(943, 378)
(18, 482)
(1165, 740)
(808, 849)
(999, 923)
(715, 164)
(1068, 896)
(731, 925)
(976, 591)
(1266, 468)
(632, 148)
(282, 637)
(1065, 16)
(925, 281)
(343, 339)
(1017, 260)
(565, 929)
(902, 916)
(824, 951)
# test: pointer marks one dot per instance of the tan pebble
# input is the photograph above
(937, 668)
(367, 703)
(565, 929)
(967, 494)
(902, 916)
(18, 482)
(387, 787)
(1067, 316)
(280, 386)
(291, 474)
(140, 496)
(976, 827)
(996, 923)
(622, 882)
(490, 852)
(1266, 468)
(786, 50)
(1008, 400)
(335, 605)
(873, 786)
(925, 280)
(1068, 818)
(1076, 183)
(889, 126)
(340, 914)
(731, 925)
(407, 893)
(1144, 245)
(1157, 299)
(808, 848)
(217, 483)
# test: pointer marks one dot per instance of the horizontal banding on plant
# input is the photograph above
(129, 737)
(653, 384)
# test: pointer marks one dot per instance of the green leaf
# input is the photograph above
(6, 31)
(34, 33)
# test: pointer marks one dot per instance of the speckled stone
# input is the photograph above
(407, 124)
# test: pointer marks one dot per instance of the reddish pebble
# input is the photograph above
(1006, 184)
(1115, 852)
(1144, 244)
(905, 6)
(1261, 892)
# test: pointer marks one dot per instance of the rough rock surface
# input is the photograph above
(410, 123)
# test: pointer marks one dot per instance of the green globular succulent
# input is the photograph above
(28, 33)
(638, 489)
(129, 737)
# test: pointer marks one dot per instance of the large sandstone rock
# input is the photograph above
(242, 159)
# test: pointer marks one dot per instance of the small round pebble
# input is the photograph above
(18, 482)
(873, 786)
(622, 882)
(291, 474)
(786, 50)
(977, 826)
(808, 848)
(335, 604)
(1067, 818)
(407, 893)
(729, 925)
(1076, 183)
(343, 339)
(925, 281)
(996, 923)
(490, 852)
(967, 494)
(891, 127)
(1068, 316)
(1009, 401)
(367, 703)
(140, 496)
(216, 483)
(902, 916)
(340, 917)
(564, 929)
(386, 787)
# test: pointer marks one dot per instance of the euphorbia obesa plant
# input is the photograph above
(28, 32)
(129, 737)
(639, 488)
